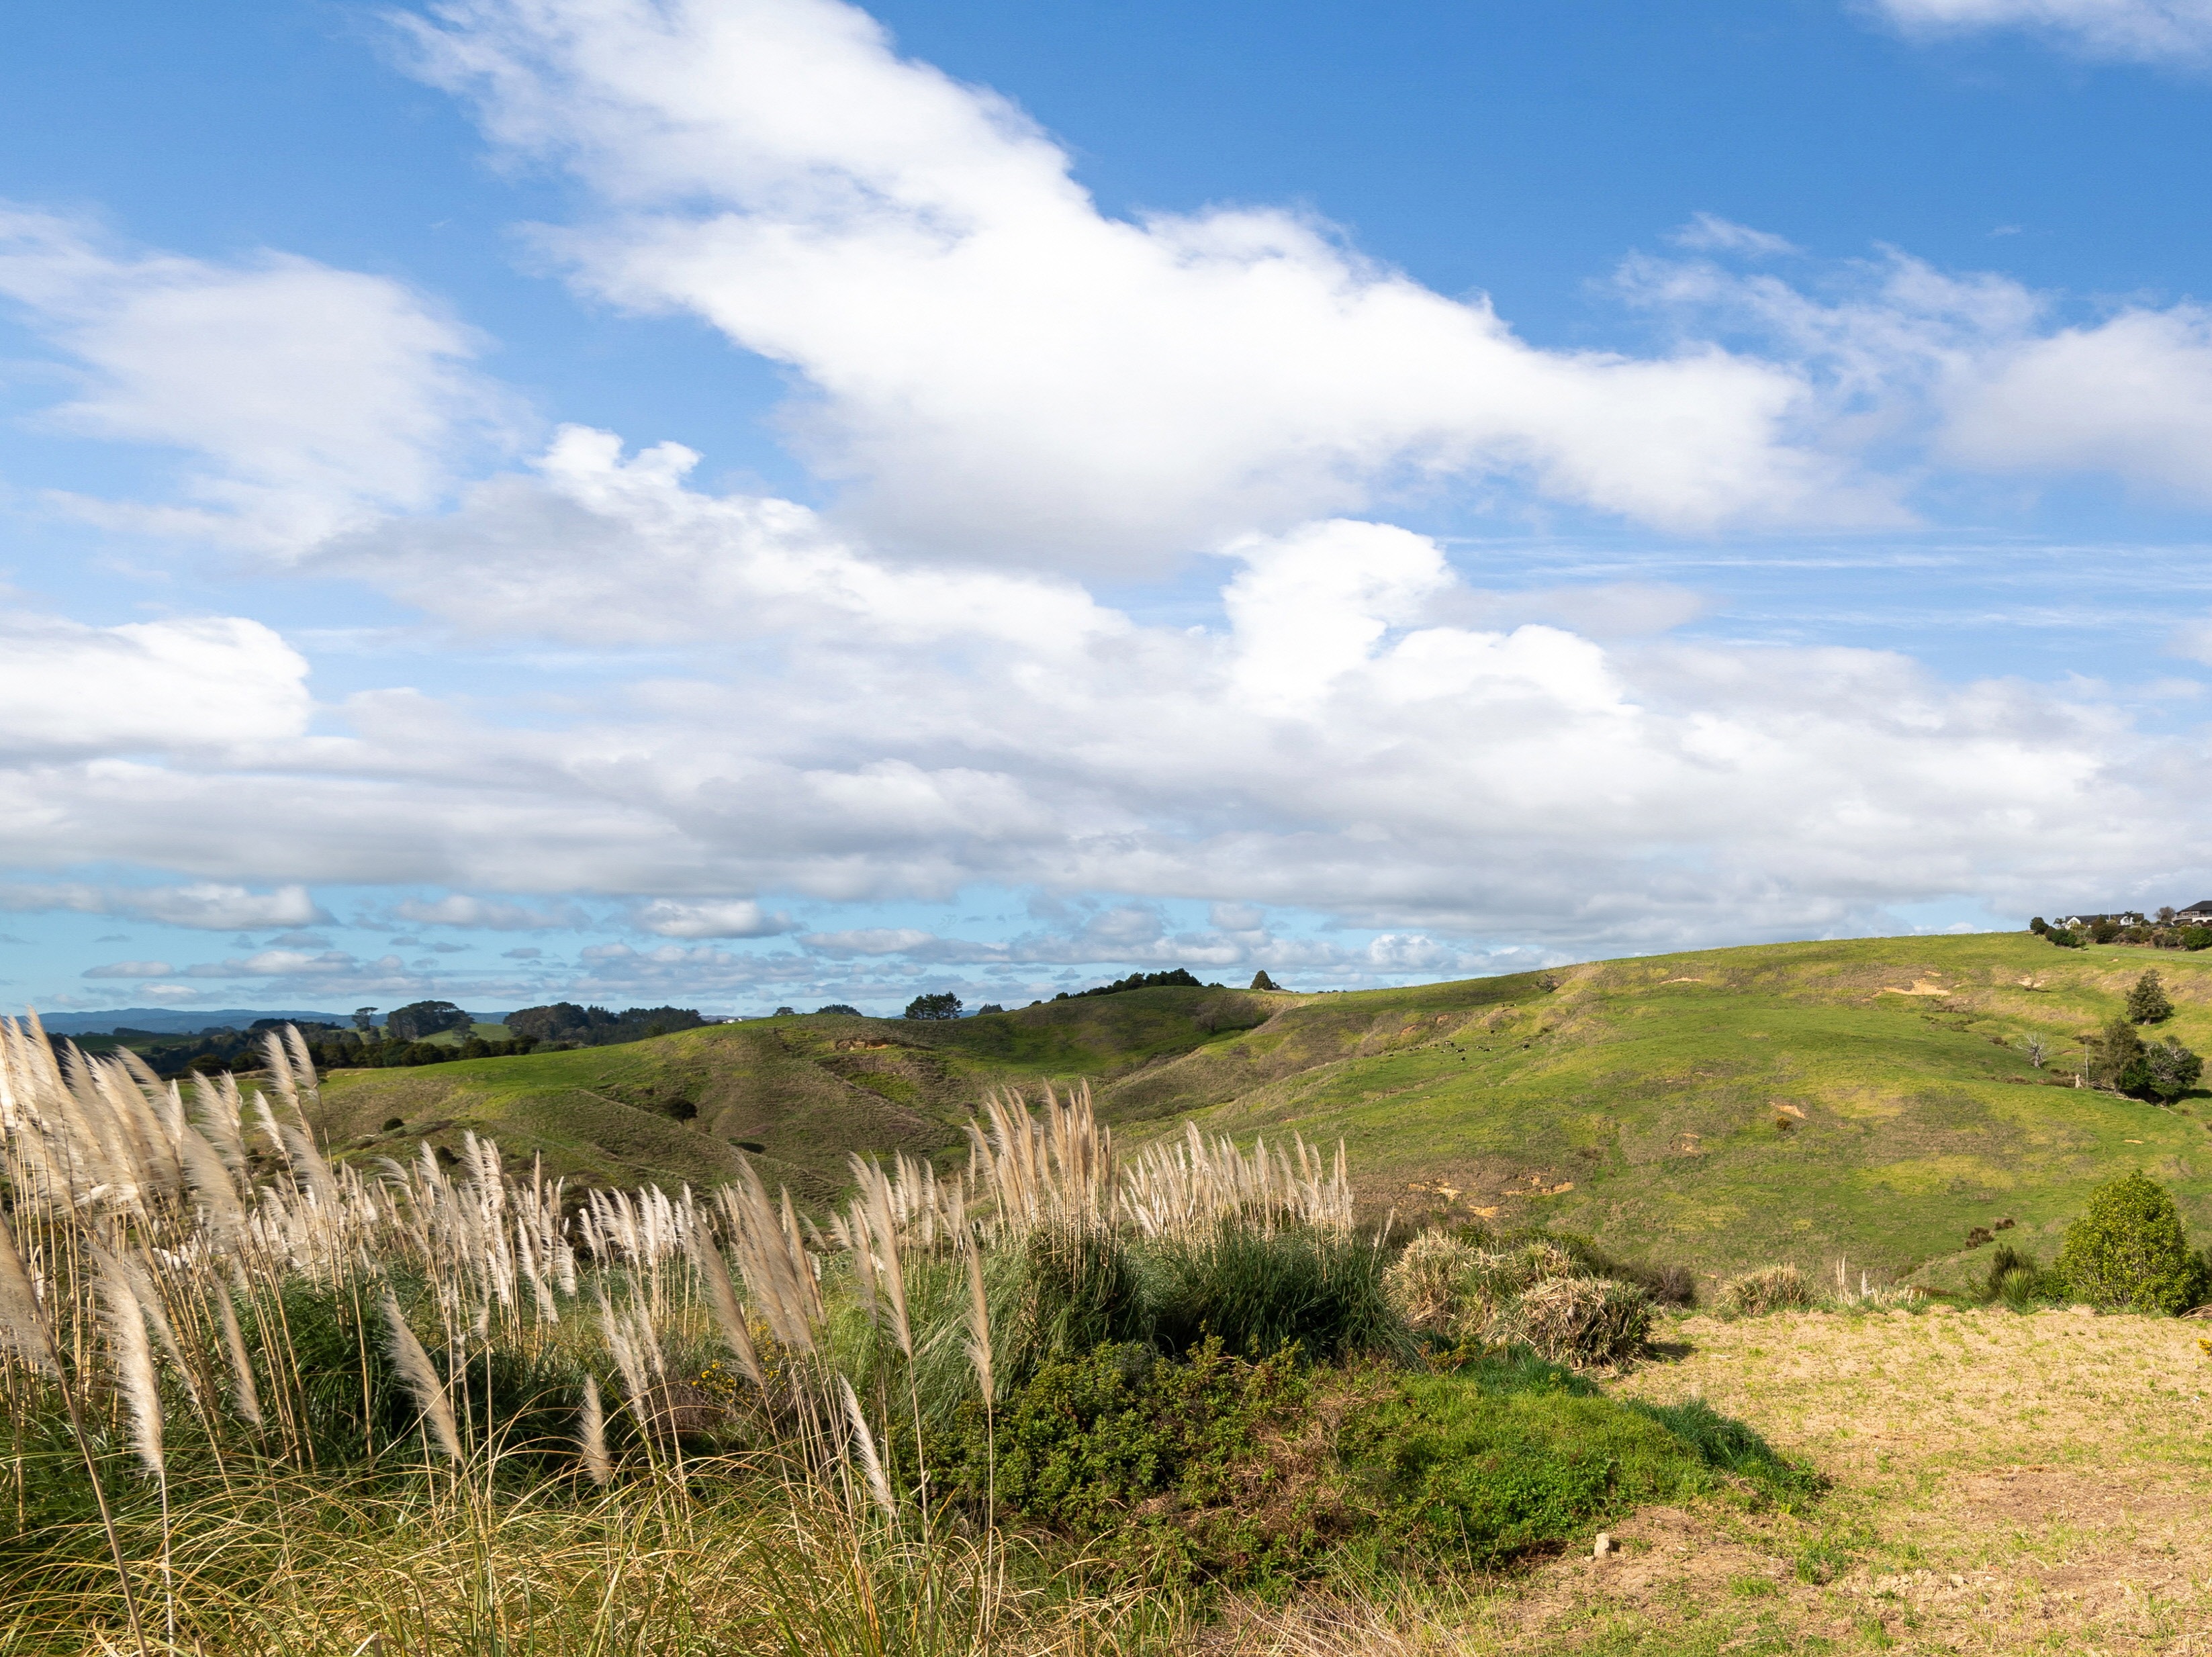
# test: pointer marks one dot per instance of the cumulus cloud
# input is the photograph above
(300, 398)
(2150, 30)
(207, 683)
(1974, 371)
(717, 918)
(491, 915)
(206, 905)
(131, 969)
(1341, 739)
(1001, 366)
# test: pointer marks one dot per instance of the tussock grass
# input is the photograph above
(258, 1402)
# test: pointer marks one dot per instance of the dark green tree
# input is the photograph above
(2170, 1069)
(2116, 1059)
(2147, 1003)
(2128, 1252)
(944, 1005)
(1261, 982)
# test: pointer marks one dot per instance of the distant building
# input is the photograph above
(2120, 917)
(2197, 914)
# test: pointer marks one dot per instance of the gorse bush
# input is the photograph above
(1167, 1462)
(1222, 1470)
(2128, 1252)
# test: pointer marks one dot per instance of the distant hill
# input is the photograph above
(169, 1021)
(1870, 1099)
(798, 1094)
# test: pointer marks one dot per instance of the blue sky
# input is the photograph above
(757, 502)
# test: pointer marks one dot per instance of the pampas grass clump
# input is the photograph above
(1769, 1289)
(1579, 1320)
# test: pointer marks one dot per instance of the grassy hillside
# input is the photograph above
(1868, 1098)
(798, 1095)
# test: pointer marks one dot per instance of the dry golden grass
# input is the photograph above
(2003, 1483)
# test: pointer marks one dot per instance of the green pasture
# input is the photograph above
(1870, 1099)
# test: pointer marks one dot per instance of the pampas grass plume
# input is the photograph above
(592, 1434)
(414, 1366)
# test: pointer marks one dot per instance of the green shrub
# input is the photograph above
(2128, 1252)
(1511, 1454)
(1257, 1291)
(1771, 1288)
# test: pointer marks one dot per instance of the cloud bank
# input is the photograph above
(927, 684)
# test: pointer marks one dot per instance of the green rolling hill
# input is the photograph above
(1870, 1099)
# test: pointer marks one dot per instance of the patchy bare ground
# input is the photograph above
(2003, 1483)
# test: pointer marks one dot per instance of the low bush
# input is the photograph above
(2128, 1252)
(1511, 1454)
(1771, 1288)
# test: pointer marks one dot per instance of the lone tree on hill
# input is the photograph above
(2147, 1002)
(943, 1005)
(1261, 982)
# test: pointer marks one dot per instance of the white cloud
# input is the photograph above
(2151, 30)
(869, 940)
(1709, 233)
(1004, 369)
(207, 683)
(1972, 372)
(207, 905)
(131, 969)
(303, 399)
(604, 549)
(717, 918)
(491, 915)
(281, 963)
(1344, 741)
